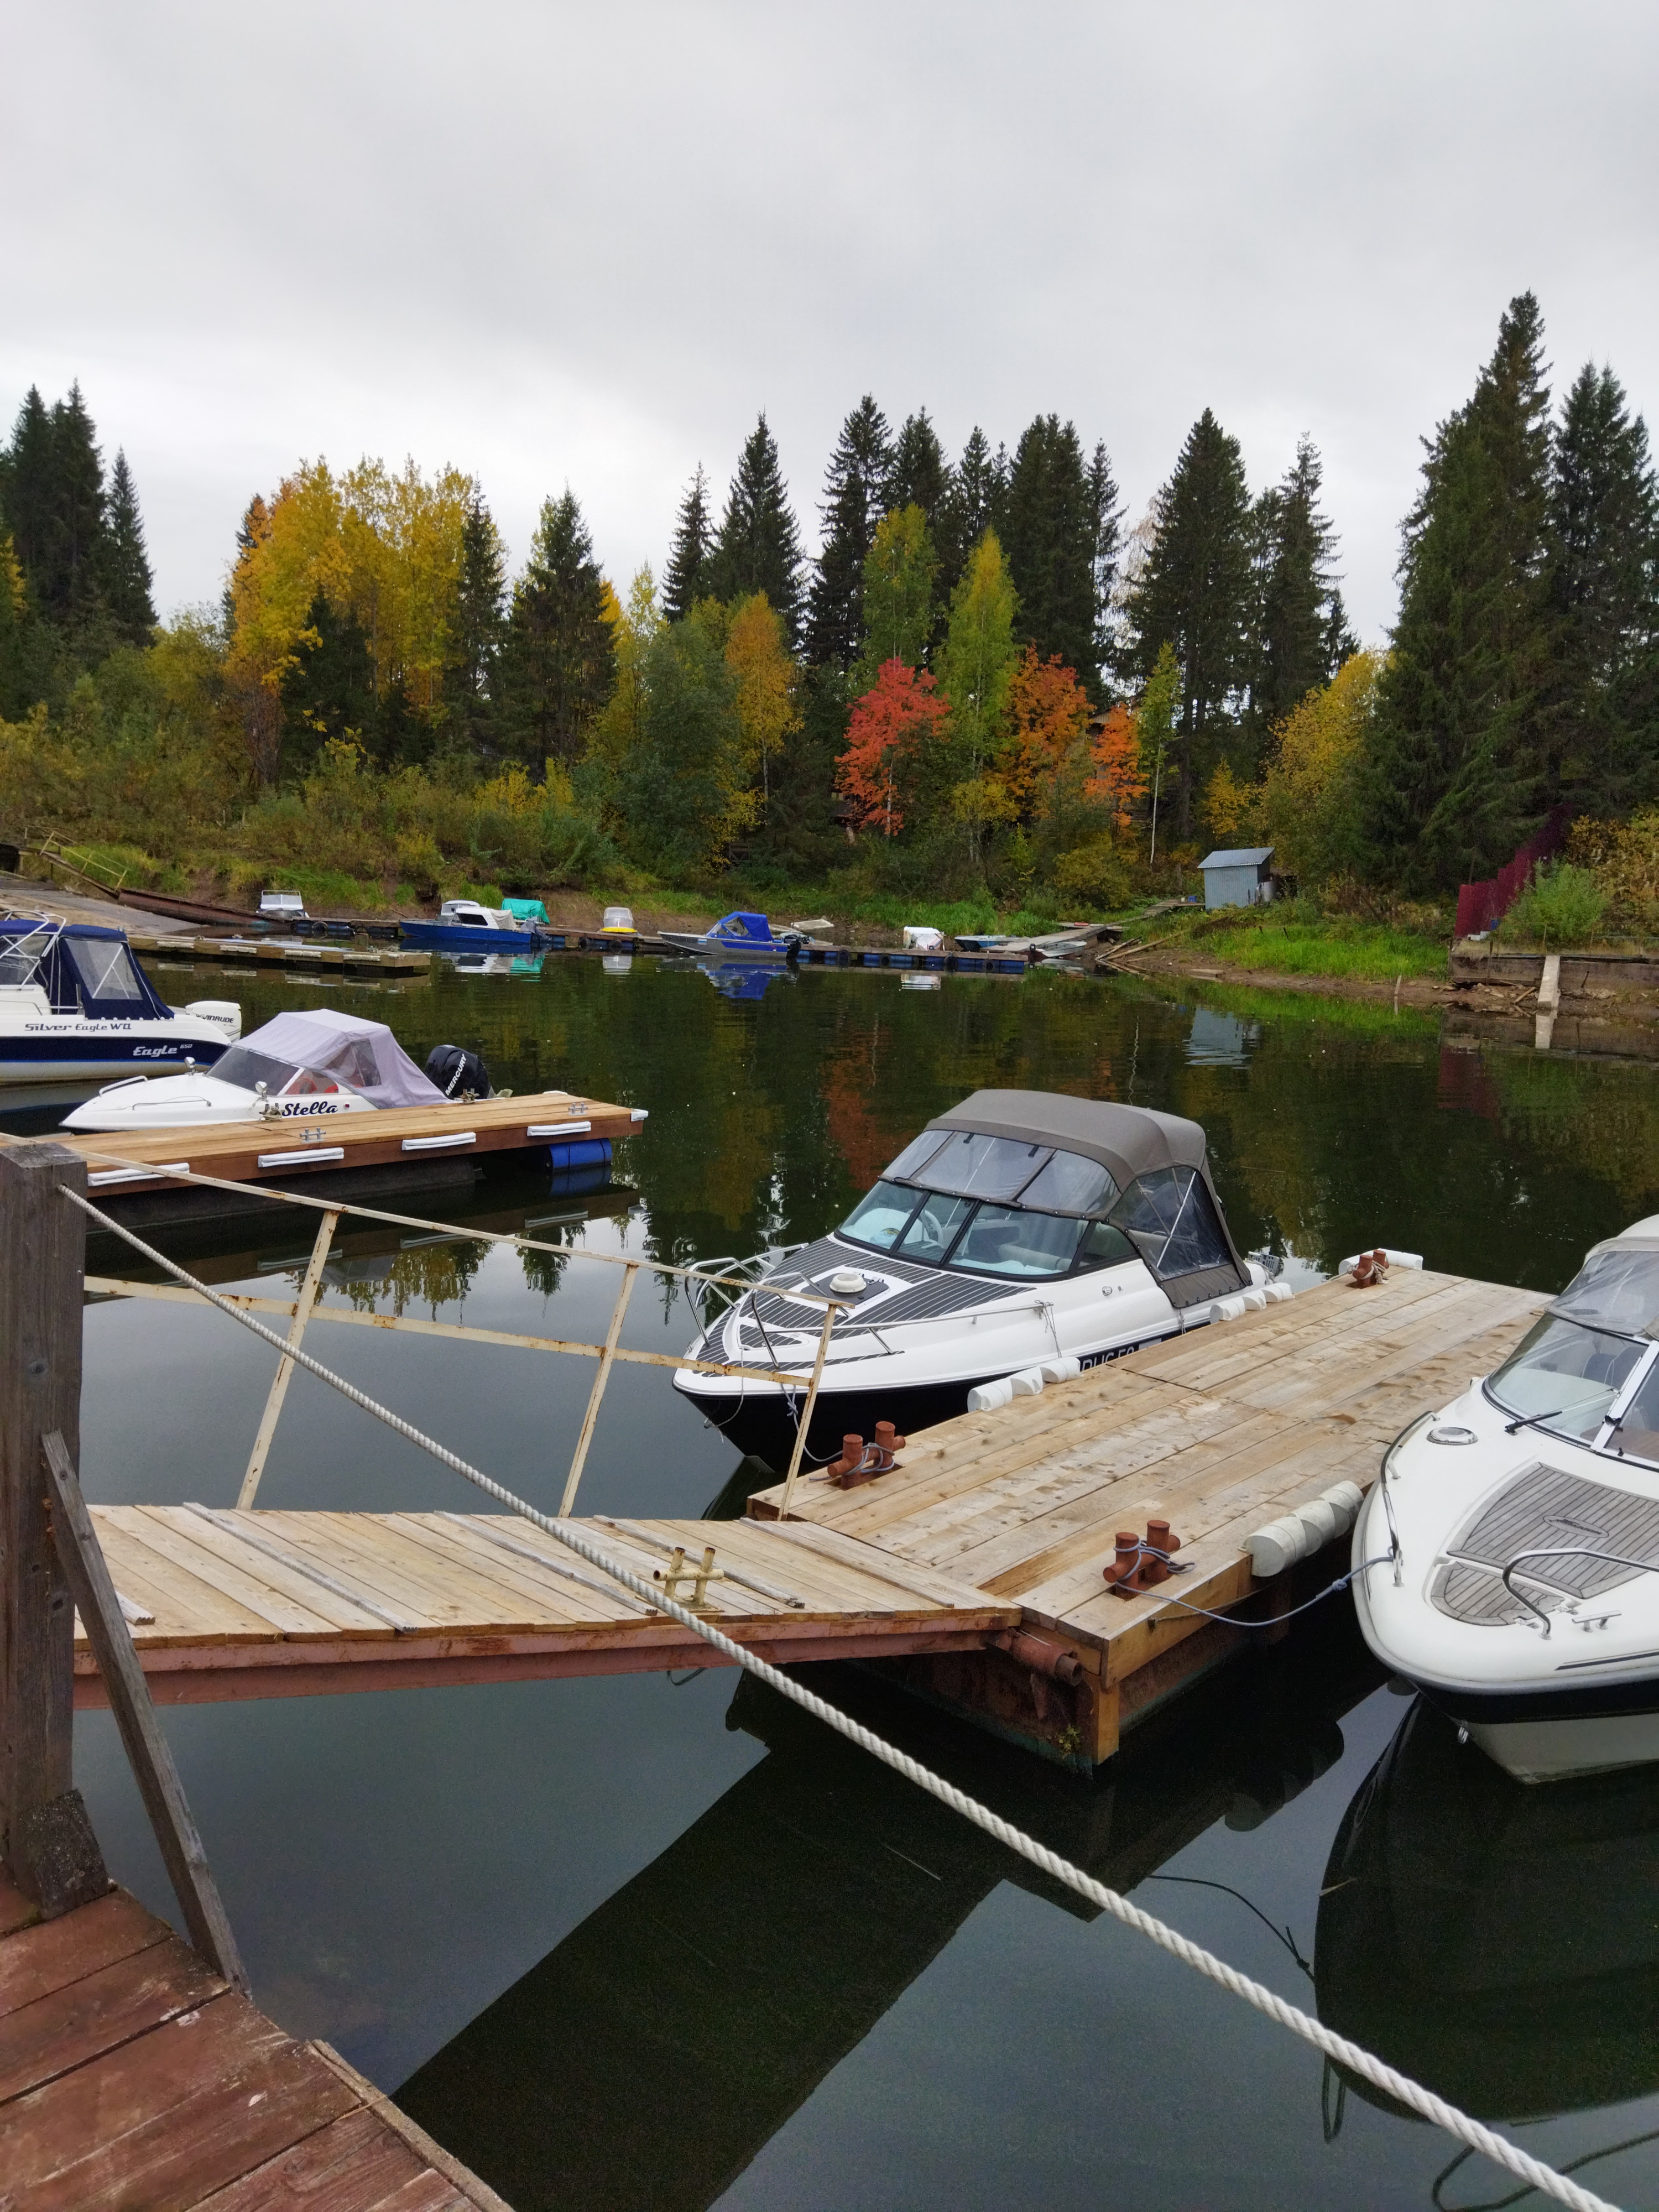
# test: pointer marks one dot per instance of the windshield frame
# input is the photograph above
(945, 1258)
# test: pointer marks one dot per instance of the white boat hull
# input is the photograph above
(1553, 1750)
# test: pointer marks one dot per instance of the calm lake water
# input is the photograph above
(652, 1942)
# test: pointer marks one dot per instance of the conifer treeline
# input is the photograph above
(983, 676)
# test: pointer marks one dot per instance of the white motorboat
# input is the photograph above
(298, 1065)
(1021, 1236)
(467, 926)
(1518, 1533)
(76, 1005)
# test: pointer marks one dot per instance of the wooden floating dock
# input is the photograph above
(977, 1562)
(261, 952)
(261, 1605)
(123, 1165)
(133, 2076)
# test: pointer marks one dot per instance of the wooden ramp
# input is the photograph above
(1217, 1432)
(131, 2078)
(227, 1604)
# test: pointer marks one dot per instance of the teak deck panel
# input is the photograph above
(132, 2077)
(231, 1149)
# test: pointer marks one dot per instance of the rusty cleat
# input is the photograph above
(1143, 1562)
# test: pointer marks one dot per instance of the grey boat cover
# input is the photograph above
(364, 1055)
(1126, 1140)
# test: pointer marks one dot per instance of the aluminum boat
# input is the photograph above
(1022, 1237)
(736, 936)
(1507, 1552)
(76, 1005)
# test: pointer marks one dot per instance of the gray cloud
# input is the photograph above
(551, 243)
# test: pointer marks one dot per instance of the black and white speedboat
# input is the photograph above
(75, 1004)
(1518, 1531)
(1021, 1236)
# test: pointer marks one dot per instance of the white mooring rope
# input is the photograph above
(1400, 2087)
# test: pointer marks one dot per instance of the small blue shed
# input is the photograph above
(1238, 878)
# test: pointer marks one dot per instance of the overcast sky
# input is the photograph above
(552, 243)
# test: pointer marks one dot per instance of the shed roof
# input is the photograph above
(1126, 1140)
(1247, 856)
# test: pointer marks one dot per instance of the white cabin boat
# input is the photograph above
(75, 1005)
(1513, 1537)
(1022, 1234)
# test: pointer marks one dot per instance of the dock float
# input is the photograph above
(262, 952)
(132, 2074)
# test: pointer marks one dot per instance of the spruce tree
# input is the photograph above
(1050, 537)
(686, 579)
(127, 575)
(856, 495)
(76, 556)
(758, 548)
(28, 488)
(1457, 768)
(1192, 593)
(480, 622)
(558, 662)
(1106, 519)
(1296, 596)
(973, 505)
(1603, 718)
(920, 475)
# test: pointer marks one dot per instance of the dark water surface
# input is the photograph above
(639, 1943)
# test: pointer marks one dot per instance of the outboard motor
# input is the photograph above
(456, 1073)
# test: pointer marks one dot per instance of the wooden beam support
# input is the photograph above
(606, 1359)
(45, 1839)
(147, 1748)
(308, 1298)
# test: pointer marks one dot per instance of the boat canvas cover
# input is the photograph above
(1128, 1140)
(744, 928)
(363, 1056)
(81, 968)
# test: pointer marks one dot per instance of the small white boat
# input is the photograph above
(298, 1065)
(76, 1005)
(1518, 1534)
(1022, 1237)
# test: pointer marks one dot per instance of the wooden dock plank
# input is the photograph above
(352, 2165)
(289, 1601)
(64, 2027)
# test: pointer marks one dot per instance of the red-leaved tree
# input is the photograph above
(886, 735)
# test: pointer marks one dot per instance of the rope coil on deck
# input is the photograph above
(1399, 2086)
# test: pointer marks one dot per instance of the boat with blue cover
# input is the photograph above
(738, 936)
(75, 1003)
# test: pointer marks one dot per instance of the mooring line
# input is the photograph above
(1353, 2055)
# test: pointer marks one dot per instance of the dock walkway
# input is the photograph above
(133, 2076)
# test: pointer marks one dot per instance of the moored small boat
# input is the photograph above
(736, 936)
(468, 926)
(76, 1005)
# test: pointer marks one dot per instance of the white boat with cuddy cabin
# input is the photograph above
(75, 1004)
(1022, 1236)
(468, 926)
(1506, 1556)
(298, 1066)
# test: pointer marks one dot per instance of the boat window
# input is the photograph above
(18, 967)
(1170, 1216)
(1636, 1435)
(932, 1232)
(880, 1215)
(105, 967)
(1103, 1246)
(1617, 1289)
(916, 1154)
(308, 1083)
(249, 1068)
(1069, 1184)
(353, 1060)
(1005, 1240)
(975, 1166)
(1568, 1374)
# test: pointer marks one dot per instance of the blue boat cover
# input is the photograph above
(746, 928)
(82, 970)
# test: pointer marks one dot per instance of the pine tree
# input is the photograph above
(1457, 767)
(127, 575)
(1050, 534)
(1193, 593)
(1603, 720)
(856, 495)
(1296, 596)
(686, 579)
(758, 548)
(973, 505)
(479, 624)
(920, 475)
(558, 661)
(1106, 519)
(78, 556)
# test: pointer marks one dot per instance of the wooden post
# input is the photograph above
(829, 1313)
(308, 1298)
(607, 1360)
(45, 1839)
(147, 1749)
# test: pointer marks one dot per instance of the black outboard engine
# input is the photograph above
(456, 1073)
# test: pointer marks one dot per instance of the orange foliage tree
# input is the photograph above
(1048, 712)
(887, 735)
(1119, 779)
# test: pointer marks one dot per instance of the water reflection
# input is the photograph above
(1500, 1941)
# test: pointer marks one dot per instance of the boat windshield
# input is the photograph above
(1618, 1289)
(1565, 1377)
(280, 1076)
(947, 1229)
(104, 968)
